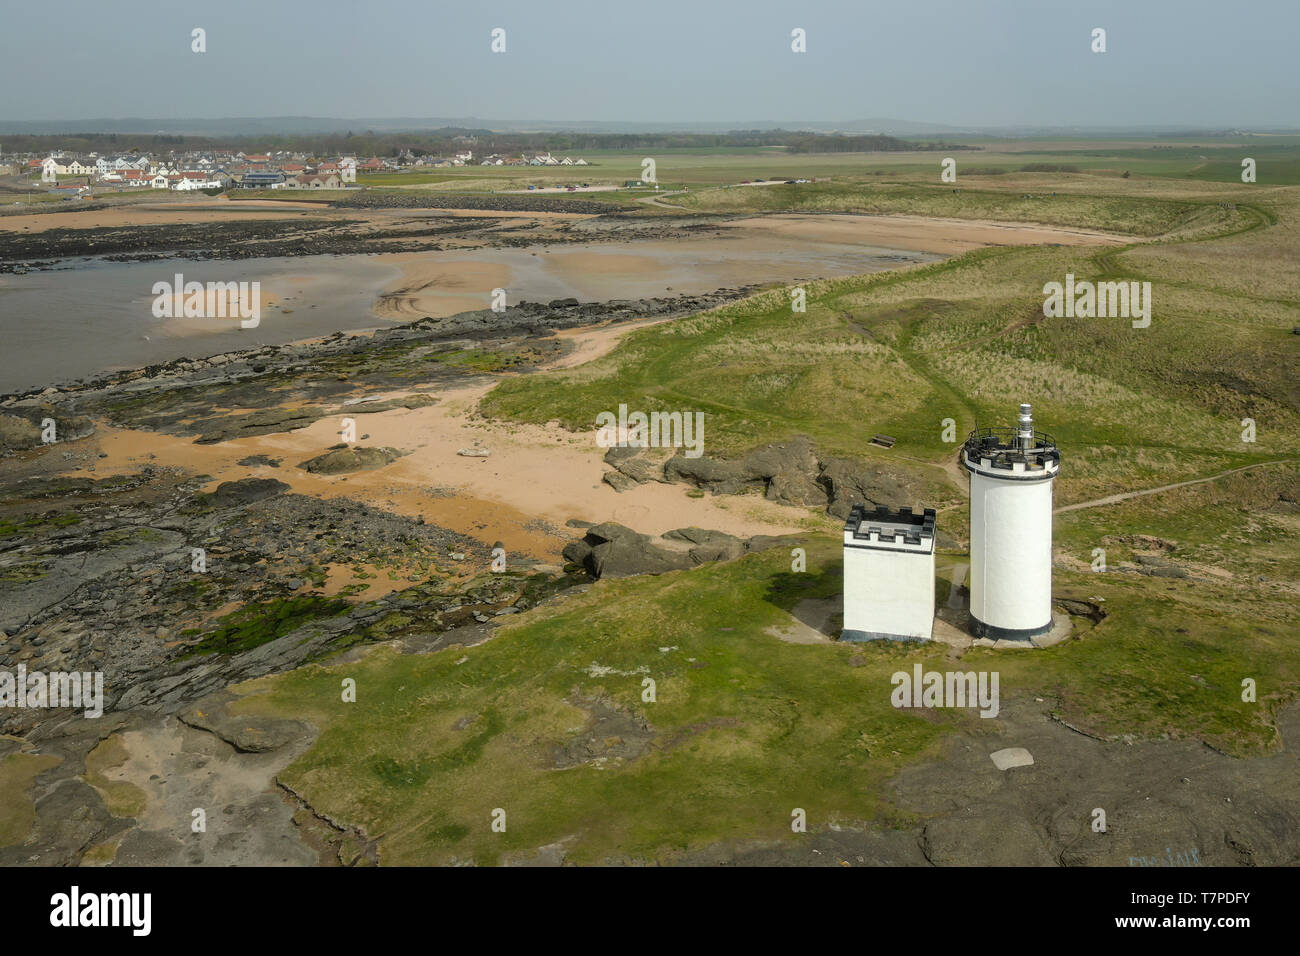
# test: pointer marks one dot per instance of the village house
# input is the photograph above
(188, 184)
(316, 181)
(52, 167)
(262, 179)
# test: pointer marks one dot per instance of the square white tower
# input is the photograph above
(888, 575)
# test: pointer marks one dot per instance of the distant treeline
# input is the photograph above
(838, 143)
(449, 140)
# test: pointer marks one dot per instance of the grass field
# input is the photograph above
(1277, 158)
(744, 727)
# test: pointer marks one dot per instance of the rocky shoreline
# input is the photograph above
(525, 320)
(294, 236)
(507, 202)
(174, 594)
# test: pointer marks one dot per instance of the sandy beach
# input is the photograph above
(536, 478)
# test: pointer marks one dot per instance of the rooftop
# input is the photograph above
(902, 526)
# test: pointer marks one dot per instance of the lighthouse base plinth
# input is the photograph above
(993, 632)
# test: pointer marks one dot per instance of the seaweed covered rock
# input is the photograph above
(341, 461)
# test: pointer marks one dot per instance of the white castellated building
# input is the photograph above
(1011, 474)
(888, 574)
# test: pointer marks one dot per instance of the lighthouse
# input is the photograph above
(1011, 473)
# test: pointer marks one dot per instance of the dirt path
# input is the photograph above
(1115, 499)
(595, 341)
(655, 199)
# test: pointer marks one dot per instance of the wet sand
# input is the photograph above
(443, 283)
(98, 317)
(111, 216)
(751, 251)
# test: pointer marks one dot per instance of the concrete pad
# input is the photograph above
(1012, 757)
(952, 626)
(948, 633)
(1061, 627)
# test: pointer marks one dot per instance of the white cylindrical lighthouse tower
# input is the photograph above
(1011, 473)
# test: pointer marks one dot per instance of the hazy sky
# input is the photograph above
(958, 62)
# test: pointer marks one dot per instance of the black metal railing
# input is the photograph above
(1005, 438)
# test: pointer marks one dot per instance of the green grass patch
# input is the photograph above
(256, 624)
(17, 812)
(49, 520)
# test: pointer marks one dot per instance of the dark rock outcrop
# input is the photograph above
(24, 428)
(1160, 567)
(342, 461)
(849, 483)
(788, 472)
(245, 491)
(708, 545)
(612, 550)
